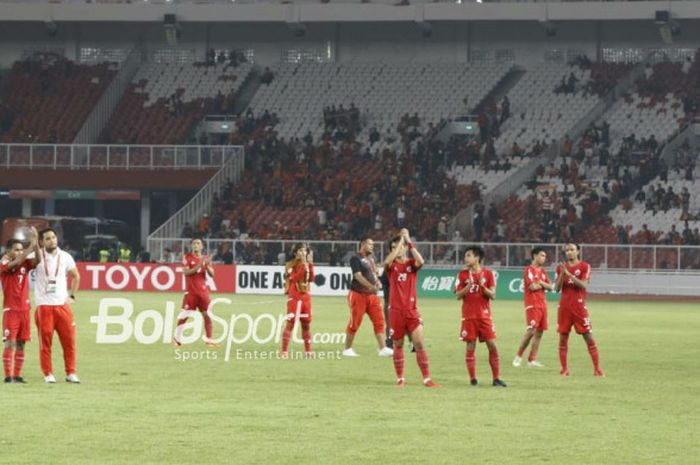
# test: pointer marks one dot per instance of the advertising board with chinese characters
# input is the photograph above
(441, 283)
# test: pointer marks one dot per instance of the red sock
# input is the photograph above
(179, 328)
(19, 363)
(593, 350)
(471, 363)
(521, 351)
(7, 362)
(398, 361)
(533, 355)
(287, 335)
(494, 361)
(306, 335)
(422, 359)
(207, 325)
(563, 350)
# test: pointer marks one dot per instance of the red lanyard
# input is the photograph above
(46, 267)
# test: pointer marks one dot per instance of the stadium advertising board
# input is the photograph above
(262, 279)
(441, 283)
(152, 277)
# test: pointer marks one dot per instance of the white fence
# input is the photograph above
(110, 157)
(448, 254)
(201, 203)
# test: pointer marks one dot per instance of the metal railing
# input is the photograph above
(441, 254)
(114, 157)
(103, 110)
(201, 203)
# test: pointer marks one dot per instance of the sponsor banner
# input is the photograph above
(441, 283)
(268, 279)
(154, 277)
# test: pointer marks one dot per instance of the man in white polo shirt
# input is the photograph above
(53, 301)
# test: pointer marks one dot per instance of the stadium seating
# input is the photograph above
(166, 100)
(540, 113)
(382, 92)
(48, 98)
(651, 108)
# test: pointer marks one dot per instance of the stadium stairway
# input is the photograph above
(512, 183)
(501, 90)
(248, 89)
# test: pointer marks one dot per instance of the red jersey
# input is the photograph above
(402, 284)
(196, 283)
(536, 298)
(15, 285)
(572, 295)
(475, 305)
(299, 277)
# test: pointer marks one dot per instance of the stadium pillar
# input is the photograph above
(26, 208)
(49, 207)
(99, 209)
(145, 216)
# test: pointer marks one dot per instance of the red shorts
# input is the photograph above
(536, 318)
(402, 322)
(483, 329)
(299, 305)
(196, 302)
(360, 304)
(577, 317)
(16, 325)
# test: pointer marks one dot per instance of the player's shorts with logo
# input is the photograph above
(16, 325)
(577, 317)
(481, 328)
(199, 302)
(402, 322)
(299, 305)
(536, 318)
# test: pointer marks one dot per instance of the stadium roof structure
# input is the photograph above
(343, 11)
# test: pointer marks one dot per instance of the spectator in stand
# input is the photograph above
(187, 230)
(203, 227)
(267, 76)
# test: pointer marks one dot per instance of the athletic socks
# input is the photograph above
(422, 359)
(286, 336)
(563, 351)
(7, 362)
(593, 351)
(398, 361)
(533, 355)
(494, 361)
(471, 363)
(19, 363)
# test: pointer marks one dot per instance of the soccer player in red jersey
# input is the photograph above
(298, 274)
(535, 282)
(572, 278)
(16, 324)
(403, 307)
(476, 287)
(196, 268)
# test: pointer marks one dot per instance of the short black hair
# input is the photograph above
(197, 238)
(12, 242)
(44, 231)
(365, 238)
(578, 248)
(476, 250)
(394, 240)
(536, 251)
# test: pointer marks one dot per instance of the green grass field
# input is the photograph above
(140, 404)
